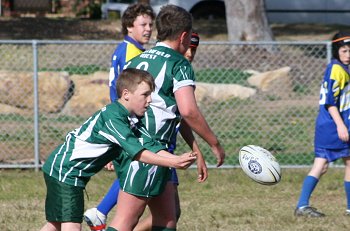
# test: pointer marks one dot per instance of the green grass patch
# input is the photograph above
(221, 75)
(14, 118)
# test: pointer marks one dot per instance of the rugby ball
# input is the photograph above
(260, 165)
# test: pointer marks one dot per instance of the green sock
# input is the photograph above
(158, 228)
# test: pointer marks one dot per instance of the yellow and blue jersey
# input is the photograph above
(125, 51)
(335, 91)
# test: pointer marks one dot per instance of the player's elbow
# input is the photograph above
(189, 114)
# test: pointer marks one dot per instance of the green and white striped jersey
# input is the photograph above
(110, 134)
(171, 71)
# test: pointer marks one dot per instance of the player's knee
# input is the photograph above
(346, 162)
(324, 169)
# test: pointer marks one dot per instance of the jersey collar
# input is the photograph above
(336, 61)
(124, 112)
(133, 41)
(162, 44)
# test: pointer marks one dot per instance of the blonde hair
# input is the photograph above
(130, 78)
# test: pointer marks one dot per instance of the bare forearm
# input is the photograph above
(149, 157)
(191, 114)
(186, 133)
(166, 154)
(342, 130)
(165, 159)
(333, 111)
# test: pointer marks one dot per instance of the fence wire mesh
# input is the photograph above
(262, 93)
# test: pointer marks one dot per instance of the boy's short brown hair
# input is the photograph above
(172, 21)
(131, 13)
(130, 78)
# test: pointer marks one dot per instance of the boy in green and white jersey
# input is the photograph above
(114, 132)
(172, 100)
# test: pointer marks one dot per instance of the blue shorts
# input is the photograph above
(173, 177)
(331, 154)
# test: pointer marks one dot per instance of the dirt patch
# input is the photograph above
(84, 29)
(65, 29)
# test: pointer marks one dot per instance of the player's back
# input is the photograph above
(171, 71)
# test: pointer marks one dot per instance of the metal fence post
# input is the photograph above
(36, 105)
(329, 52)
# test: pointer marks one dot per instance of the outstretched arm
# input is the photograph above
(166, 159)
(190, 112)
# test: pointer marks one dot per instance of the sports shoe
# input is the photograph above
(308, 211)
(347, 212)
(95, 219)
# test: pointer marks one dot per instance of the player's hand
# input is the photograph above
(202, 169)
(109, 166)
(343, 133)
(185, 160)
(219, 152)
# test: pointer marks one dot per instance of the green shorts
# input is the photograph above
(64, 203)
(143, 180)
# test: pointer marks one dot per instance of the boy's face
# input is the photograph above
(344, 54)
(190, 53)
(142, 29)
(139, 100)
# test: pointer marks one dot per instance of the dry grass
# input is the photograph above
(78, 29)
(227, 201)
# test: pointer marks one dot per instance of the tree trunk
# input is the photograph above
(247, 21)
(144, 1)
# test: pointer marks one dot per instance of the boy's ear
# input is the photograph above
(125, 94)
(183, 36)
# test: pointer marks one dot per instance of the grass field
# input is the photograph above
(228, 201)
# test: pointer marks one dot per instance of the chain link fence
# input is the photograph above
(262, 93)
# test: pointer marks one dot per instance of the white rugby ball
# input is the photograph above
(259, 164)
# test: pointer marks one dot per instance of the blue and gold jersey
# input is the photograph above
(335, 91)
(125, 51)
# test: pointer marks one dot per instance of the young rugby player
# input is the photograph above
(332, 125)
(172, 101)
(137, 25)
(113, 133)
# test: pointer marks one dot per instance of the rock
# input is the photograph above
(276, 82)
(252, 72)
(17, 90)
(8, 109)
(90, 94)
(222, 91)
(82, 95)
(55, 89)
